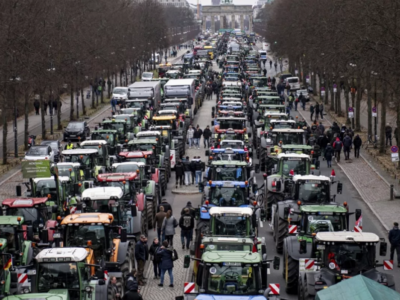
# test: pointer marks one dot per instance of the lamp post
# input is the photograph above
(375, 74)
(14, 80)
(51, 70)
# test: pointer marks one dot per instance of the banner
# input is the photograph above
(36, 168)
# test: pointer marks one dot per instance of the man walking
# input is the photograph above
(337, 146)
(190, 136)
(158, 221)
(316, 111)
(394, 239)
(140, 255)
(36, 105)
(186, 223)
(311, 111)
(198, 170)
(321, 110)
(114, 105)
(206, 137)
(186, 168)
(357, 142)
(179, 173)
(197, 136)
(347, 142)
(388, 133)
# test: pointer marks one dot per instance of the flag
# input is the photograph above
(8, 264)
(255, 242)
(359, 222)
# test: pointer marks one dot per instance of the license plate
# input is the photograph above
(56, 235)
(31, 272)
(72, 135)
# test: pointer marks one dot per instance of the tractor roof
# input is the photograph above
(117, 177)
(143, 141)
(231, 118)
(311, 177)
(240, 211)
(136, 154)
(80, 151)
(86, 218)
(164, 118)
(24, 202)
(287, 130)
(226, 240)
(229, 162)
(94, 142)
(274, 114)
(62, 255)
(293, 155)
(294, 146)
(347, 237)
(231, 257)
(103, 193)
(323, 209)
(60, 178)
(136, 163)
(148, 133)
(68, 164)
(11, 220)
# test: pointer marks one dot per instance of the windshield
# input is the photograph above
(233, 279)
(318, 223)
(233, 145)
(282, 125)
(231, 225)
(230, 174)
(109, 137)
(349, 258)
(8, 233)
(314, 191)
(53, 145)
(37, 151)
(114, 126)
(148, 137)
(293, 80)
(79, 158)
(128, 168)
(234, 124)
(147, 75)
(120, 91)
(290, 138)
(141, 147)
(259, 82)
(57, 276)
(30, 215)
(136, 104)
(163, 122)
(78, 236)
(299, 166)
(229, 156)
(75, 126)
(224, 196)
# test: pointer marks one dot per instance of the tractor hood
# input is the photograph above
(59, 294)
(229, 297)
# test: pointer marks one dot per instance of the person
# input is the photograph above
(190, 135)
(311, 111)
(347, 142)
(153, 257)
(168, 227)
(114, 105)
(191, 209)
(302, 99)
(321, 128)
(36, 105)
(140, 255)
(316, 111)
(132, 289)
(296, 102)
(45, 104)
(270, 64)
(69, 145)
(394, 239)
(357, 142)
(321, 110)
(158, 221)
(328, 155)
(265, 72)
(323, 142)
(166, 264)
(115, 289)
(206, 136)
(193, 168)
(388, 133)
(198, 170)
(187, 170)
(179, 173)
(197, 136)
(337, 146)
(186, 223)
(165, 204)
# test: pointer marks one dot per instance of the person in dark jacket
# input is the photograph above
(191, 209)
(337, 147)
(158, 221)
(186, 223)
(357, 142)
(316, 111)
(179, 173)
(347, 142)
(36, 105)
(328, 155)
(166, 264)
(206, 136)
(153, 257)
(132, 289)
(187, 170)
(394, 239)
(197, 136)
(388, 133)
(166, 205)
(323, 142)
(140, 255)
(193, 168)
(198, 170)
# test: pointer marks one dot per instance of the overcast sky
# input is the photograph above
(208, 2)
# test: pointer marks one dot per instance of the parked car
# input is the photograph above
(76, 131)
(282, 78)
(40, 153)
(120, 93)
(55, 146)
(304, 92)
(294, 83)
(147, 76)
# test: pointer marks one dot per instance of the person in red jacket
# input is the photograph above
(337, 146)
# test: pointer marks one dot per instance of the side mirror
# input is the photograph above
(257, 168)
(207, 152)
(54, 209)
(383, 248)
(340, 188)
(276, 263)
(278, 185)
(286, 211)
(133, 211)
(303, 247)
(100, 274)
(124, 235)
(186, 262)
(153, 170)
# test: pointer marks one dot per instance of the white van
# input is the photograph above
(263, 54)
(294, 83)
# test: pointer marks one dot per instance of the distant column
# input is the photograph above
(250, 23)
(233, 22)
(242, 22)
(222, 21)
(212, 23)
(204, 23)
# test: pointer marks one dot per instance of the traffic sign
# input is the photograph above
(395, 157)
(275, 288)
(388, 265)
(292, 229)
(394, 149)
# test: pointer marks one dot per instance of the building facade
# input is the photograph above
(177, 3)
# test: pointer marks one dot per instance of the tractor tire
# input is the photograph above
(291, 274)
(150, 213)
(120, 284)
(280, 232)
(272, 198)
(129, 262)
(202, 226)
(306, 295)
(163, 183)
(261, 157)
(300, 291)
(155, 204)
(144, 226)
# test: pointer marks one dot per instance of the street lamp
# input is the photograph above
(51, 70)
(15, 79)
(375, 74)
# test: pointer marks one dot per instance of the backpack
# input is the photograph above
(174, 255)
(338, 145)
(187, 220)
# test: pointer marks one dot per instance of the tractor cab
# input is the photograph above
(124, 181)
(228, 154)
(119, 125)
(287, 136)
(88, 160)
(47, 187)
(102, 148)
(72, 171)
(131, 121)
(110, 136)
(231, 221)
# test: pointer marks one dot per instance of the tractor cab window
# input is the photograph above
(65, 171)
(224, 196)
(46, 187)
(151, 137)
(313, 191)
(8, 233)
(163, 122)
(232, 279)
(103, 136)
(96, 147)
(79, 236)
(30, 215)
(142, 147)
(129, 167)
(233, 145)
(230, 174)
(287, 138)
(233, 124)
(299, 166)
(54, 275)
(353, 258)
(115, 126)
(231, 225)
(318, 223)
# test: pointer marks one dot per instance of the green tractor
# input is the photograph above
(131, 122)
(111, 137)
(103, 149)
(120, 125)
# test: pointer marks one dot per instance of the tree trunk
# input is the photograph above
(353, 98)
(358, 105)
(382, 140)
(83, 103)
(59, 104)
(369, 106)
(347, 102)
(26, 115)
(332, 94)
(397, 132)
(5, 132)
(314, 82)
(339, 100)
(42, 111)
(71, 113)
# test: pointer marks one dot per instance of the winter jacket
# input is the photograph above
(198, 166)
(312, 108)
(193, 166)
(132, 295)
(394, 236)
(158, 220)
(317, 108)
(321, 128)
(328, 152)
(323, 141)
(192, 210)
(166, 258)
(169, 225)
(186, 166)
(36, 103)
(190, 133)
(197, 133)
(154, 249)
(166, 205)
(388, 130)
(179, 169)
(140, 251)
(357, 142)
(337, 145)
(186, 222)
(347, 142)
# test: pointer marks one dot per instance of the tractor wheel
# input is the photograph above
(281, 231)
(120, 285)
(150, 213)
(202, 226)
(155, 203)
(261, 157)
(272, 198)
(300, 291)
(144, 226)
(129, 262)
(292, 274)
(163, 183)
